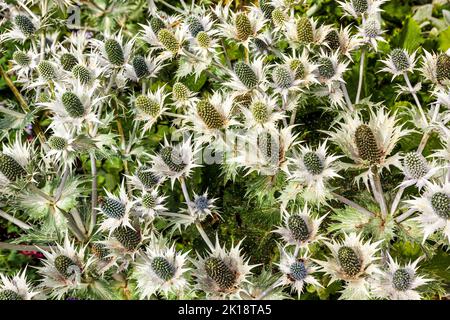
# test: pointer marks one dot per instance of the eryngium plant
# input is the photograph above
(175, 150)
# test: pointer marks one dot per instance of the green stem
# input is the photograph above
(361, 74)
(15, 221)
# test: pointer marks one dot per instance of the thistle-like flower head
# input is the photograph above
(399, 282)
(16, 287)
(300, 228)
(161, 269)
(353, 261)
(222, 272)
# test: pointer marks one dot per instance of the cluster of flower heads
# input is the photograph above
(85, 81)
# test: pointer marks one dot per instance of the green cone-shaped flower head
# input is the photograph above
(128, 238)
(401, 279)
(278, 17)
(163, 268)
(400, 59)
(21, 58)
(360, 6)
(243, 26)
(366, 144)
(415, 165)
(297, 66)
(194, 25)
(148, 201)
(282, 77)
(68, 61)
(326, 68)
(101, 251)
(65, 266)
(113, 208)
(203, 39)
(441, 204)
(332, 40)
(10, 168)
(298, 227)
(246, 74)
(443, 67)
(114, 52)
(25, 25)
(305, 32)
(172, 159)
(147, 105)
(168, 40)
(266, 8)
(156, 24)
(180, 92)
(140, 66)
(82, 74)
(260, 112)
(222, 275)
(47, 70)
(349, 261)
(146, 177)
(298, 271)
(72, 104)
(9, 295)
(209, 114)
(57, 143)
(313, 163)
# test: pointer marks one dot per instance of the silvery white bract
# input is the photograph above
(198, 150)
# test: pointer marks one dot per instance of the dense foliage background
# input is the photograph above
(410, 24)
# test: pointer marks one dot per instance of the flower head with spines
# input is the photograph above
(165, 37)
(399, 62)
(370, 32)
(149, 107)
(117, 210)
(330, 69)
(62, 147)
(361, 8)
(300, 228)
(353, 261)
(14, 162)
(17, 287)
(369, 144)
(241, 26)
(417, 170)
(313, 169)
(297, 272)
(176, 161)
(222, 272)
(248, 77)
(436, 68)
(144, 178)
(150, 204)
(142, 67)
(397, 282)
(74, 105)
(263, 113)
(114, 52)
(183, 97)
(24, 62)
(63, 269)
(305, 31)
(211, 119)
(434, 208)
(160, 268)
(303, 68)
(25, 25)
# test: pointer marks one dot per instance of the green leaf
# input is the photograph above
(444, 39)
(113, 165)
(411, 35)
